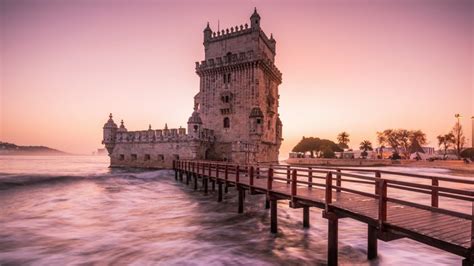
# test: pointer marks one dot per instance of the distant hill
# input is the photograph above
(12, 149)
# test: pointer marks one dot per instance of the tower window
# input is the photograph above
(134, 157)
(226, 78)
(122, 157)
(259, 121)
(195, 128)
(226, 122)
(147, 157)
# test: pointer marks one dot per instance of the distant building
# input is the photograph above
(235, 115)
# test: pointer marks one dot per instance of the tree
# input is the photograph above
(381, 139)
(459, 138)
(402, 140)
(328, 153)
(315, 145)
(343, 139)
(310, 145)
(468, 153)
(445, 141)
(365, 146)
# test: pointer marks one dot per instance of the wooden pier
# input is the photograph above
(342, 193)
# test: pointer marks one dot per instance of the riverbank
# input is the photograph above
(457, 166)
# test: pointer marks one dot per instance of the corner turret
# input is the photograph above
(255, 20)
(207, 33)
(110, 131)
(194, 125)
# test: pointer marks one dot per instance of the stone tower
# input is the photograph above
(238, 94)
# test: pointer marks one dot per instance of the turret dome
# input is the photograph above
(195, 118)
(122, 127)
(110, 123)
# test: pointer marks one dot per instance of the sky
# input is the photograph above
(359, 66)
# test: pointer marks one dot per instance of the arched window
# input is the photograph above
(226, 122)
(228, 78)
(195, 128)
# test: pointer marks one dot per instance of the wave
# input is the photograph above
(18, 180)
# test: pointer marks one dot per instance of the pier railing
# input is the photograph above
(381, 186)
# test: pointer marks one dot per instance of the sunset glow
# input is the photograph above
(355, 66)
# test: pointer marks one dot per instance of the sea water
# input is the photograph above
(58, 210)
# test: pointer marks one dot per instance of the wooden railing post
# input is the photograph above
(472, 227)
(251, 176)
(382, 203)
(270, 179)
(288, 174)
(377, 176)
(210, 169)
(328, 190)
(237, 175)
(294, 180)
(217, 171)
(434, 192)
(310, 177)
(226, 172)
(338, 180)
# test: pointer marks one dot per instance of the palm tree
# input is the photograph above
(365, 146)
(381, 139)
(343, 139)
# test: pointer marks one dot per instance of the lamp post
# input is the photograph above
(472, 133)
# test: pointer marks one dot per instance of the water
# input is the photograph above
(74, 210)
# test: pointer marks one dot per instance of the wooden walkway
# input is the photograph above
(350, 193)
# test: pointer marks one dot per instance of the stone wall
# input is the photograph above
(156, 155)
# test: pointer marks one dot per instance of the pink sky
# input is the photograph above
(355, 66)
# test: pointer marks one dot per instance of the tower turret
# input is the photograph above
(255, 20)
(207, 33)
(122, 127)
(110, 131)
(194, 125)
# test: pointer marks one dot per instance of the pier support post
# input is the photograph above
(188, 176)
(195, 182)
(332, 238)
(273, 216)
(176, 174)
(267, 204)
(371, 242)
(213, 185)
(204, 184)
(306, 217)
(467, 262)
(241, 200)
(219, 191)
(181, 176)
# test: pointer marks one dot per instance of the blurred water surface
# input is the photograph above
(57, 210)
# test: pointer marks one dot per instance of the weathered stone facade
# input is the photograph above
(235, 114)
